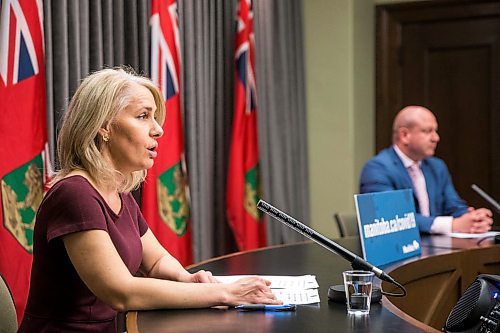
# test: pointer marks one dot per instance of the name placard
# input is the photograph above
(387, 226)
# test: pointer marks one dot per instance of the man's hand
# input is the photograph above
(474, 221)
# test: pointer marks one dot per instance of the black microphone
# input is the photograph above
(356, 262)
(486, 197)
(491, 201)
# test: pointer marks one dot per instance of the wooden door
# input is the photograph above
(445, 55)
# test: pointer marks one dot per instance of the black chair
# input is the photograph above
(347, 224)
(8, 318)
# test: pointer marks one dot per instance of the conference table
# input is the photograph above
(435, 280)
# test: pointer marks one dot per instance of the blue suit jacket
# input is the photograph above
(386, 172)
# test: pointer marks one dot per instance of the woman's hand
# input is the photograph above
(199, 277)
(251, 290)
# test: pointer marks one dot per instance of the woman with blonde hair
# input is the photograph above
(93, 252)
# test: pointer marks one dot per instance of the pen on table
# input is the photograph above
(264, 307)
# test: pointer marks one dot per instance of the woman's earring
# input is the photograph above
(105, 137)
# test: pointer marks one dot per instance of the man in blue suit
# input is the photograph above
(409, 163)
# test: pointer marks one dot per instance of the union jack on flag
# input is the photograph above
(18, 59)
(243, 180)
(165, 194)
(245, 53)
(165, 50)
(25, 166)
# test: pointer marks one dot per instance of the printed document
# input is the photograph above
(289, 289)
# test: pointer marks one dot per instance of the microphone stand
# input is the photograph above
(357, 262)
(486, 197)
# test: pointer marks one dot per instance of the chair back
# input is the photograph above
(347, 224)
(8, 318)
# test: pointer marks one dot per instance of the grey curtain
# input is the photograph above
(86, 35)
(282, 112)
(82, 36)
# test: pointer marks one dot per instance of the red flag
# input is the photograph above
(243, 185)
(165, 199)
(23, 131)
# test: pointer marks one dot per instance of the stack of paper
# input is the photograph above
(289, 289)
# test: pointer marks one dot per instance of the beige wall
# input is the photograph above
(339, 56)
(340, 87)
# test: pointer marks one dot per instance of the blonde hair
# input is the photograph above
(94, 105)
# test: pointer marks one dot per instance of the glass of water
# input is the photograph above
(358, 291)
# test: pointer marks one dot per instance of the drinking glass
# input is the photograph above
(358, 291)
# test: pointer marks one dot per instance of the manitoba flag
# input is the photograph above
(23, 132)
(165, 199)
(243, 185)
